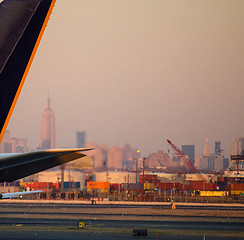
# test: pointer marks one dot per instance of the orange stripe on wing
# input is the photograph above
(26, 70)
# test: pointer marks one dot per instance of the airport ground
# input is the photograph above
(40, 219)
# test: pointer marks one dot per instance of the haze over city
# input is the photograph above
(138, 72)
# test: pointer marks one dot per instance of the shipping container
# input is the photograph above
(167, 191)
(98, 185)
(149, 186)
(69, 185)
(203, 186)
(131, 186)
(39, 185)
(104, 190)
(169, 186)
(237, 186)
(56, 186)
(237, 192)
(114, 187)
(97, 190)
(12, 184)
(22, 184)
(212, 193)
(46, 186)
(165, 186)
(149, 178)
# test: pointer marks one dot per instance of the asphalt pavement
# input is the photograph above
(22, 220)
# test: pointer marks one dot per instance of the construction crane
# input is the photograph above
(186, 161)
(236, 162)
(235, 166)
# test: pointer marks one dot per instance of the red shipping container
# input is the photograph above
(114, 187)
(165, 186)
(237, 186)
(56, 185)
(203, 186)
(40, 186)
(179, 186)
(188, 187)
(148, 178)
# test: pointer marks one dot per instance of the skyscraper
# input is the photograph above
(218, 148)
(237, 146)
(48, 135)
(189, 150)
(13, 145)
(115, 158)
(80, 139)
(206, 151)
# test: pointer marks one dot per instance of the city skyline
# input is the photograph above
(48, 138)
(139, 73)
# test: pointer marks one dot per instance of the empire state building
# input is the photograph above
(48, 135)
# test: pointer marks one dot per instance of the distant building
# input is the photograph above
(99, 156)
(161, 159)
(48, 129)
(80, 139)
(206, 151)
(218, 148)
(19, 145)
(211, 162)
(237, 148)
(13, 145)
(189, 150)
(129, 157)
(55, 177)
(116, 177)
(114, 158)
(118, 158)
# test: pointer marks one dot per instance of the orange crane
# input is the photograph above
(186, 161)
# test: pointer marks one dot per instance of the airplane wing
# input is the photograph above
(19, 165)
(18, 194)
(21, 27)
(22, 23)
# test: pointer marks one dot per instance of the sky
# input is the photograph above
(138, 72)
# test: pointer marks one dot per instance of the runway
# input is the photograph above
(25, 220)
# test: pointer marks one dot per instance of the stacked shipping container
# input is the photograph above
(102, 187)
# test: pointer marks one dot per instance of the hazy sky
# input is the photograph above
(138, 72)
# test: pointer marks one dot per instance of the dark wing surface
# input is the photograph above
(20, 165)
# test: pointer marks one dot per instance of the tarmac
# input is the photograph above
(44, 219)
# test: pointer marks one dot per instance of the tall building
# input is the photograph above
(13, 145)
(206, 151)
(210, 162)
(99, 155)
(80, 139)
(130, 155)
(189, 150)
(48, 135)
(115, 158)
(237, 148)
(160, 159)
(213, 162)
(218, 148)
